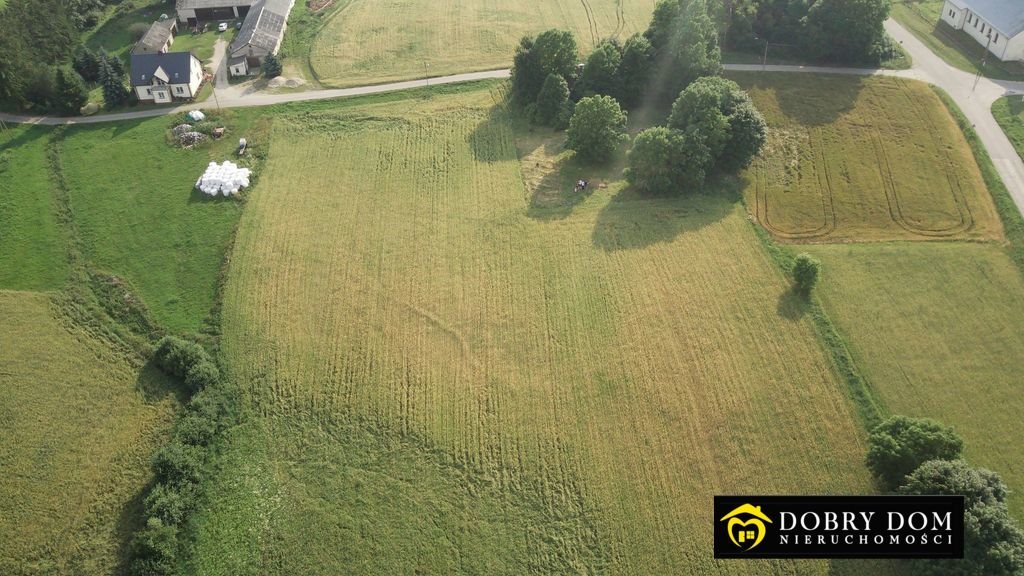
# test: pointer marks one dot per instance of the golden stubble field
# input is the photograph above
(863, 159)
(618, 363)
(377, 41)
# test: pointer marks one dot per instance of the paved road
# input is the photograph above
(974, 96)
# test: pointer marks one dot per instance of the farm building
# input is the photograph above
(260, 35)
(192, 12)
(996, 24)
(158, 38)
(166, 76)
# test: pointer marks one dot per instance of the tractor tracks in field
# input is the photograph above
(591, 21)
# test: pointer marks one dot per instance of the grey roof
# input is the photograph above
(176, 65)
(1006, 16)
(193, 4)
(155, 37)
(263, 26)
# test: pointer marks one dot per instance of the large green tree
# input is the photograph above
(993, 543)
(71, 91)
(685, 43)
(551, 52)
(720, 114)
(114, 91)
(899, 445)
(597, 128)
(601, 71)
(666, 161)
(846, 30)
(551, 100)
(635, 70)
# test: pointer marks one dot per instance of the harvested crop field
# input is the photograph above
(573, 384)
(418, 39)
(879, 159)
(936, 329)
(79, 424)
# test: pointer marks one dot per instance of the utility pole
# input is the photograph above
(984, 57)
(764, 63)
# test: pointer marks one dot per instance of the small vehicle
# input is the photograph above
(238, 25)
(222, 27)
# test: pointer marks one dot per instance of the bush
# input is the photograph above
(195, 429)
(178, 464)
(900, 444)
(597, 128)
(155, 550)
(806, 269)
(175, 356)
(170, 504)
(71, 94)
(272, 67)
(200, 375)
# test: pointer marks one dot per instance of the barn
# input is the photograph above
(195, 12)
(260, 35)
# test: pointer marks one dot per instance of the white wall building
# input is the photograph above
(165, 77)
(997, 24)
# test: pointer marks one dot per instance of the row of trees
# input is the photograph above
(848, 31)
(178, 465)
(920, 456)
(713, 128)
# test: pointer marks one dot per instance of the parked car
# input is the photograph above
(222, 27)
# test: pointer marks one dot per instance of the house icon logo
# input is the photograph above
(746, 526)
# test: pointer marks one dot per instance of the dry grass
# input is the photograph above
(78, 431)
(600, 372)
(376, 41)
(879, 159)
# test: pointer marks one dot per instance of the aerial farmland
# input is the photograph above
(509, 288)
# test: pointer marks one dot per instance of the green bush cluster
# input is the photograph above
(178, 465)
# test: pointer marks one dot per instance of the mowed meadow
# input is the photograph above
(79, 424)
(417, 39)
(877, 159)
(446, 379)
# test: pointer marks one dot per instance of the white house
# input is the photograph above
(997, 24)
(260, 35)
(166, 76)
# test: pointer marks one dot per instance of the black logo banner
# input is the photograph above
(839, 526)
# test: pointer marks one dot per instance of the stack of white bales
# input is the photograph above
(226, 179)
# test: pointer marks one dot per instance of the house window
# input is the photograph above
(149, 92)
(996, 39)
(179, 89)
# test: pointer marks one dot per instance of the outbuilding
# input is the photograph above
(194, 12)
(996, 24)
(158, 38)
(260, 36)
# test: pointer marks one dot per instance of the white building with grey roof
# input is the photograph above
(260, 35)
(996, 24)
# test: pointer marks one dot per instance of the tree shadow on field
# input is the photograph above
(792, 304)
(633, 220)
(494, 139)
(807, 99)
(130, 521)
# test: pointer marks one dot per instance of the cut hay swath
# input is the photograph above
(597, 375)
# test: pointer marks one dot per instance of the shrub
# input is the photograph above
(806, 269)
(272, 67)
(155, 550)
(901, 444)
(178, 464)
(175, 356)
(200, 375)
(71, 94)
(195, 429)
(170, 504)
(597, 128)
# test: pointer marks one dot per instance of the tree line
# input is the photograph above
(44, 68)
(713, 128)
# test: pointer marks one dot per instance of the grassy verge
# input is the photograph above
(303, 27)
(954, 46)
(1013, 222)
(1009, 113)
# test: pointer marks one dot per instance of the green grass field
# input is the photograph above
(1009, 113)
(940, 338)
(79, 424)
(880, 159)
(447, 378)
(922, 18)
(356, 47)
(32, 245)
(140, 219)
